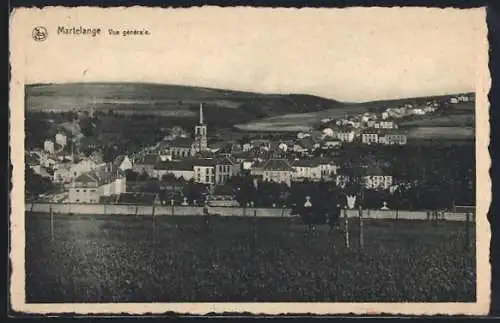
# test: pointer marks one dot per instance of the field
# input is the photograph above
(127, 259)
(170, 100)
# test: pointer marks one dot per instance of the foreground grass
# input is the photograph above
(111, 259)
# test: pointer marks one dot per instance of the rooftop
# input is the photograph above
(278, 165)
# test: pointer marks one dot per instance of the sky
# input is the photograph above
(350, 55)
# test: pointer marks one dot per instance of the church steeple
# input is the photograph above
(200, 132)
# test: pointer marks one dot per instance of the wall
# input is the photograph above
(111, 209)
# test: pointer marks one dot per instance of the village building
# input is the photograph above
(61, 139)
(48, 146)
(122, 162)
(146, 165)
(90, 187)
(307, 169)
(370, 137)
(225, 168)
(346, 135)
(375, 178)
(179, 169)
(393, 138)
(182, 148)
(278, 170)
(66, 172)
(204, 171)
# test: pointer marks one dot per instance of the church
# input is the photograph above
(187, 147)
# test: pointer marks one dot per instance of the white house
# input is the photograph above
(385, 115)
(122, 162)
(346, 135)
(66, 172)
(48, 146)
(204, 171)
(278, 170)
(453, 100)
(309, 169)
(386, 124)
(91, 186)
(418, 111)
(375, 178)
(61, 139)
(369, 137)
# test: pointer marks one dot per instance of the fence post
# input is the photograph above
(172, 203)
(467, 230)
(51, 224)
(361, 236)
(154, 222)
(346, 228)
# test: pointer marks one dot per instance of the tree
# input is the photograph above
(36, 184)
(131, 175)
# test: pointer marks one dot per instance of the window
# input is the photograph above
(78, 191)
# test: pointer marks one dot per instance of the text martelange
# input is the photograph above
(93, 32)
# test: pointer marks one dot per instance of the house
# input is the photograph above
(346, 135)
(61, 139)
(257, 169)
(418, 111)
(91, 186)
(393, 138)
(375, 178)
(307, 169)
(262, 144)
(247, 146)
(387, 124)
(304, 145)
(48, 146)
(204, 170)
(329, 142)
(385, 115)
(246, 165)
(453, 100)
(371, 123)
(225, 167)
(369, 137)
(328, 168)
(429, 109)
(278, 170)
(179, 169)
(146, 165)
(67, 172)
(122, 162)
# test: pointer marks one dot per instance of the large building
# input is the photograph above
(182, 147)
(279, 171)
(92, 186)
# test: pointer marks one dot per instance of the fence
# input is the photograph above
(164, 210)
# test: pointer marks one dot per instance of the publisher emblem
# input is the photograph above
(40, 33)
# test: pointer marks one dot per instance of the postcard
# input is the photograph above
(249, 160)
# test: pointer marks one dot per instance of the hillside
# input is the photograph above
(461, 115)
(170, 100)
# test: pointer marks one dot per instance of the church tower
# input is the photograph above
(200, 133)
